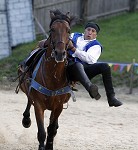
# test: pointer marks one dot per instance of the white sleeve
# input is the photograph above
(71, 35)
(91, 56)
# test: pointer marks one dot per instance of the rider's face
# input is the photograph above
(90, 33)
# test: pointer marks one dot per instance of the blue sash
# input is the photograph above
(90, 44)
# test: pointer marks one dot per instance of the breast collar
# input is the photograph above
(38, 87)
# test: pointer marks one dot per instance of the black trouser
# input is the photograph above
(84, 73)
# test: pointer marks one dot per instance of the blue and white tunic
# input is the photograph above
(87, 51)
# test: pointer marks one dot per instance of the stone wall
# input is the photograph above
(20, 21)
(16, 24)
(4, 38)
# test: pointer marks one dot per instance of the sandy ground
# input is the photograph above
(86, 124)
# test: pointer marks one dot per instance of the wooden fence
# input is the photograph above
(42, 8)
(84, 9)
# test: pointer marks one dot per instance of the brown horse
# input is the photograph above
(47, 86)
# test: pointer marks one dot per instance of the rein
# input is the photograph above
(47, 59)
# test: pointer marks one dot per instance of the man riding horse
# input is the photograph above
(82, 62)
(44, 76)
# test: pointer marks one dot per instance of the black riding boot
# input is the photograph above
(76, 72)
(107, 80)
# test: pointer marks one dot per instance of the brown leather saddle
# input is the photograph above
(35, 55)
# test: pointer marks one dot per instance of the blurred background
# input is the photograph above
(24, 22)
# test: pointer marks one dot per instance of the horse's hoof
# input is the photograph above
(41, 148)
(26, 122)
(49, 146)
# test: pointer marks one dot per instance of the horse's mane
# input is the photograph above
(59, 15)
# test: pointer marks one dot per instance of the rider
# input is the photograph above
(83, 66)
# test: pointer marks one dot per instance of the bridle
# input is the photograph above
(53, 44)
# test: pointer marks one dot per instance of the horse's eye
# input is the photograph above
(52, 30)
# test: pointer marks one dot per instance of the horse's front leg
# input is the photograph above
(41, 135)
(26, 121)
(52, 128)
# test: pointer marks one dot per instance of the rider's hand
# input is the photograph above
(71, 46)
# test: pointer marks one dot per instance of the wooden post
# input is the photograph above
(132, 77)
(38, 23)
(132, 5)
(83, 10)
(41, 28)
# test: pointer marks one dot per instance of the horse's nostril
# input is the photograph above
(56, 52)
(64, 53)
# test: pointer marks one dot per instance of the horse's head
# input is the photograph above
(59, 34)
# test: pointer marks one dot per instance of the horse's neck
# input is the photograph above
(56, 74)
(52, 74)
(56, 71)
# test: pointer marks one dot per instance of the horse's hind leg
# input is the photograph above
(26, 122)
(52, 128)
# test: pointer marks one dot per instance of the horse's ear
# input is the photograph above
(68, 14)
(52, 15)
(73, 20)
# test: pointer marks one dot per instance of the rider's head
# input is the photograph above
(91, 30)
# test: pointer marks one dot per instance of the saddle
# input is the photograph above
(37, 53)
(28, 64)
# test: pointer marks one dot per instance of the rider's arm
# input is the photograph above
(90, 57)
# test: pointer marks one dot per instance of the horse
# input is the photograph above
(47, 86)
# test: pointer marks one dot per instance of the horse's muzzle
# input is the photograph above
(59, 55)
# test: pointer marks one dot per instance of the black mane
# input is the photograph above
(59, 15)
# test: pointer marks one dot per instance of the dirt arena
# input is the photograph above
(86, 125)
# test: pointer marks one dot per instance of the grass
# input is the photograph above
(9, 65)
(118, 36)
